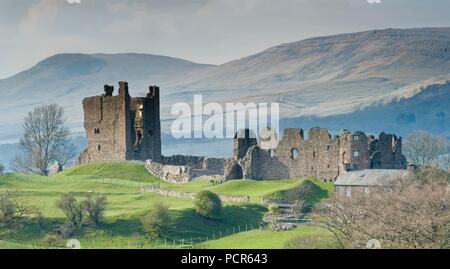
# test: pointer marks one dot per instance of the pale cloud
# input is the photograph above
(40, 16)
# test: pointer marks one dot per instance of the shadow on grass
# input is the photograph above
(123, 227)
(186, 224)
(189, 224)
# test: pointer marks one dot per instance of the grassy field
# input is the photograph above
(121, 227)
(268, 239)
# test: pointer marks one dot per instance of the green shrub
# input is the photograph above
(12, 210)
(72, 209)
(2, 169)
(52, 241)
(95, 207)
(273, 209)
(155, 221)
(208, 204)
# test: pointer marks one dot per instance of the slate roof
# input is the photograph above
(369, 177)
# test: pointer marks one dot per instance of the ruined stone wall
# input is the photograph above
(170, 173)
(146, 127)
(120, 128)
(320, 155)
(196, 162)
(227, 198)
(107, 133)
(354, 151)
(387, 152)
(242, 142)
(295, 157)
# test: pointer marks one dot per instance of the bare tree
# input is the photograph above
(72, 209)
(403, 214)
(95, 207)
(45, 141)
(12, 210)
(424, 149)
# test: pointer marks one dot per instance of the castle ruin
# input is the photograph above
(321, 155)
(121, 127)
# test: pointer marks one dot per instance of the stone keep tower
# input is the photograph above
(121, 127)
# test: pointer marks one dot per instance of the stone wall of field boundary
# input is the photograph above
(170, 173)
(191, 195)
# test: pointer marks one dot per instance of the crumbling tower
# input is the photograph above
(121, 127)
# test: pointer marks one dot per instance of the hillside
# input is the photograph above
(426, 110)
(330, 75)
(121, 226)
(318, 77)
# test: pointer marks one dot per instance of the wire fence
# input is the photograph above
(142, 242)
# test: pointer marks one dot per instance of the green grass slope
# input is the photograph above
(121, 227)
(121, 170)
(268, 239)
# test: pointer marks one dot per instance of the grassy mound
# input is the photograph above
(310, 190)
(134, 171)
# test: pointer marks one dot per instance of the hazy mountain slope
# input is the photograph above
(67, 78)
(427, 110)
(329, 75)
(322, 76)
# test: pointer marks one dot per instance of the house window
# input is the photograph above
(348, 192)
(356, 138)
(356, 154)
(314, 154)
(328, 148)
(96, 131)
(366, 190)
(294, 154)
(99, 147)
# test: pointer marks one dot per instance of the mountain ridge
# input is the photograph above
(321, 76)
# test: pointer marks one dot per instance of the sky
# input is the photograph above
(204, 31)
